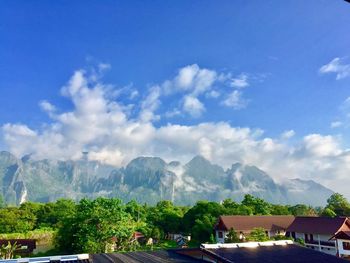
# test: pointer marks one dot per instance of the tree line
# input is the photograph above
(93, 226)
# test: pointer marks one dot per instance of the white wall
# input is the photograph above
(220, 240)
(340, 247)
(315, 246)
(315, 236)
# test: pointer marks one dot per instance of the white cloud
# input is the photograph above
(133, 94)
(101, 125)
(193, 106)
(343, 119)
(319, 145)
(213, 94)
(194, 82)
(194, 79)
(47, 106)
(19, 130)
(172, 113)
(337, 66)
(288, 134)
(235, 100)
(336, 124)
(240, 81)
(150, 105)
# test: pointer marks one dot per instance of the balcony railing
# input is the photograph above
(322, 243)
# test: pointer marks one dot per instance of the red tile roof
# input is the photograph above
(319, 225)
(247, 223)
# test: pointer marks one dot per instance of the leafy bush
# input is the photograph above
(300, 241)
(232, 237)
(258, 234)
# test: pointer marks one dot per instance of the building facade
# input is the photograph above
(317, 232)
(243, 225)
(325, 234)
(342, 240)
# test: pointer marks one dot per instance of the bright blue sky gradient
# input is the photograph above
(43, 42)
(280, 45)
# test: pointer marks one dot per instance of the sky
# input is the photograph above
(258, 82)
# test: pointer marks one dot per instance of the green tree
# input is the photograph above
(203, 228)
(156, 233)
(230, 204)
(14, 220)
(258, 234)
(233, 208)
(167, 217)
(302, 210)
(258, 205)
(338, 204)
(201, 218)
(212, 239)
(51, 214)
(97, 225)
(280, 210)
(137, 211)
(232, 237)
(328, 212)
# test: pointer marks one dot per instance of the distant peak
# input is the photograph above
(174, 163)
(199, 158)
(7, 154)
(26, 157)
(147, 161)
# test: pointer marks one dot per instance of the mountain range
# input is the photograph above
(147, 180)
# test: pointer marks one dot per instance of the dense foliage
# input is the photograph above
(105, 223)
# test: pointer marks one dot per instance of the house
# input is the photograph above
(325, 234)
(317, 232)
(282, 251)
(342, 239)
(273, 225)
(137, 235)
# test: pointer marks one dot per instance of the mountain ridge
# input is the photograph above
(148, 179)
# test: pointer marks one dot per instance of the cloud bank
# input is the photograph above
(102, 124)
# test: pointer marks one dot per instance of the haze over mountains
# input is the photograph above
(147, 179)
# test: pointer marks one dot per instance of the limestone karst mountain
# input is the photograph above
(147, 179)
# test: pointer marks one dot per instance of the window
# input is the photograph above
(220, 235)
(346, 245)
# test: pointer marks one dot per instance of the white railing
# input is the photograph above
(248, 244)
(46, 259)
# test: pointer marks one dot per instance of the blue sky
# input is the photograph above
(281, 67)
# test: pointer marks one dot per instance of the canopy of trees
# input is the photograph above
(94, 225)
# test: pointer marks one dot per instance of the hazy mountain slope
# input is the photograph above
(147, 179)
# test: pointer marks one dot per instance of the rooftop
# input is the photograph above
(319, 225)
(145, 256)
(276, 254)
(247, 223)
